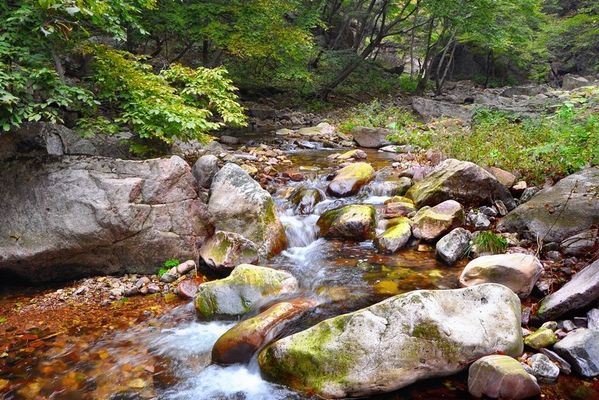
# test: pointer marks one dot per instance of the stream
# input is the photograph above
(170, 355)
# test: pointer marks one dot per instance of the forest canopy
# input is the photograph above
(170, 69)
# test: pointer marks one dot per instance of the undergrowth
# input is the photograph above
(488, 242)
(551, 145)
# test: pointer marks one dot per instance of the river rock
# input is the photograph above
(395, 237)
(581, 349)
(354, 221)
(76, 216)
(226, 250)
(204, 170)
(501, 377)
(581, 291)
(398, 208)
(504, 177)
(393, 186)
(558, 212)
(593, 319)
(371, 137)
(187, 289)
(542, 368)
(350, 179)
(453, 246)
(571, 82)
(238, 204)
(305, 199)
(541, 338)
(432, 223)
(462, 181)
(391, 344)
(517, 271)
(236, 294)
(581, 244)
(240, 343)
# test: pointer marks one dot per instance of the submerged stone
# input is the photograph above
(391, 344)
(240, 343)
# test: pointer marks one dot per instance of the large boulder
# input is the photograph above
(43, 138)
(517, 271)
(389, 345)
(560, 211)
(226, 250)
(432, 223)
(238, 204)
(350, 179)
(371, 137)
(236, 294)
(240, 343)
(501, 377)
(353, 221)
(581, 349)
(581, 291)
(462, 181)
(68, 217)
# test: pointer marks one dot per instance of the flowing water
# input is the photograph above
(169, 357)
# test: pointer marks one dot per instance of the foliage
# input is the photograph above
(489, 242)
(378, 115)
(167, 265)
(176, 103)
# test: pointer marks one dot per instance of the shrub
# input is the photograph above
(488, 242)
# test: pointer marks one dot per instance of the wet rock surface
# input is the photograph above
(501, 377)
(226, 250)
(239, 292)
(419, 335)
(354, 221)
(432, 223)
(350, 179)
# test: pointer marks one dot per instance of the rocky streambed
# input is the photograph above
(332, 273)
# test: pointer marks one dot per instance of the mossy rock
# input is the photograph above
(354, 221)
(237, 294)
(418, 335)
(225, 250)
(541, 338)
(350, 179)
(430, 223)
(395, 237)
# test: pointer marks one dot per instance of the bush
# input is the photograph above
(378, 115)
(488, 242)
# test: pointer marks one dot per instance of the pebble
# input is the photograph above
(550, 325)
(543, 368)
(153, 288)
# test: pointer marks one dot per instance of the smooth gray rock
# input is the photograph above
(556, 213)
(581, 291)
(204, 170)
(517, 271)
(581, 244)
(461, 181)
(528, 194)
(581, 349)
(453, 246)
(391, 344)
(78, 216)
(571, 82)
(563, 365)
(542, 368)
(238, 204)
(501, 377)
(371, 137)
